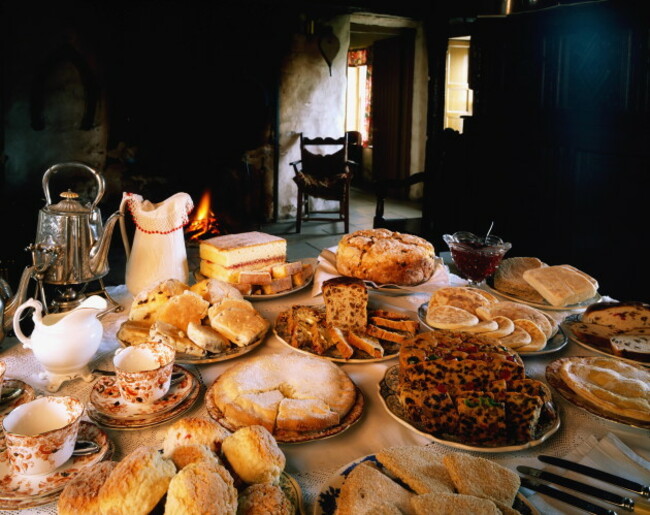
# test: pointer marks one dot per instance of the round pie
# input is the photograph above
(385, 257)
(284, 392)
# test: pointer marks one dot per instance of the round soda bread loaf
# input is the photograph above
(386, 257)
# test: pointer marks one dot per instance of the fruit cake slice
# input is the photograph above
(481, 418)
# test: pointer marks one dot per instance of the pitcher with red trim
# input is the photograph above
(158, 252)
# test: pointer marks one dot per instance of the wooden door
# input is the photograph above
(392, 99)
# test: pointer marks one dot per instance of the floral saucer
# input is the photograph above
(149, 420)
(27, 394)
(19, 491)
(105, 398)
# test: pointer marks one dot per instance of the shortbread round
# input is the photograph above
(273, 390)
(450, 317)
(385, 257)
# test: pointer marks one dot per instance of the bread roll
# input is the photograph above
(201, 489)
(263, 499)
(385, 257)
(80, 494)
(194, 430)
(137, 483)
(254, 455)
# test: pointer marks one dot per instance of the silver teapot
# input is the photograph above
(74, 233)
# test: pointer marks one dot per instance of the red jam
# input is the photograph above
(475, 261)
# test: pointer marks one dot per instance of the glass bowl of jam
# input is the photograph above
(476, 257)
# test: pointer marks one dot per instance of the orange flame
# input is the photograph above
(203, 222)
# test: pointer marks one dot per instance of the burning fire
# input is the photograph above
(203, 223)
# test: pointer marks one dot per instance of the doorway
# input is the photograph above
(385, 99)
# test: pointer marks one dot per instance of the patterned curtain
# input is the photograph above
(363, 57)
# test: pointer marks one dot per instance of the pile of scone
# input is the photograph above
(209, 317)
(202, 468)
(455, 483)
(473, 310)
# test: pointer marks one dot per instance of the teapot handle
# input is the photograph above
(101, 185)
(37, 317)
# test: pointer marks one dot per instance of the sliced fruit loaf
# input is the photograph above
(619, 315)
(631, 346)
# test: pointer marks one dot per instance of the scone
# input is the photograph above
(184, 455)
(146, 304)
(215, 290)
(137, 483)
(194, 430)
(80, 494)
(262, 499)
(182, 309)
(201, 490)
(254, 455)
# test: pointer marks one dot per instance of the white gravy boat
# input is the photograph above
(63, 343)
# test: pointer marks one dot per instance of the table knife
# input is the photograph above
(601, 475)
(565, 497)
(611, 497)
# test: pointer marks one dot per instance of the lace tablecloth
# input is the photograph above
(313, 463)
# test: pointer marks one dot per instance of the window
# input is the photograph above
(458, 96)
(358, 94)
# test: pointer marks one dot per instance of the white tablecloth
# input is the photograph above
(312, 463)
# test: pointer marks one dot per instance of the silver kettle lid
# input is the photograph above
(69, 205)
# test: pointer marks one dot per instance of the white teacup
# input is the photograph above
(41, 434)
(143, 372)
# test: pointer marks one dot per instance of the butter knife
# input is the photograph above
(610, 497)
(565, 497)
(601, 475)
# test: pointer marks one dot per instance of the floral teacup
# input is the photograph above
(143, 372)
(40, 435)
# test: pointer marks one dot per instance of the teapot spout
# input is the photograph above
(99, 251)
(12, 303)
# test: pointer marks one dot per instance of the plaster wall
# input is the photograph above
(312, 102)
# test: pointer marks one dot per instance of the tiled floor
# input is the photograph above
(316, 236)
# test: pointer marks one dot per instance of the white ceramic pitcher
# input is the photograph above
(63, 343)
(158, 251)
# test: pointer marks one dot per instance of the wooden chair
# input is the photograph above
(405, 225)
(325, 176)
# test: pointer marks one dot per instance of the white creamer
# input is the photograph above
(63, 343)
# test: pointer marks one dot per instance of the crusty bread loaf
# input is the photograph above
(509, 278)
(473, 475)
(365, 487)
(194, 430)
(80, 494)
(623, 316)
(346, 303)
(560, 285)
(385, 257)
(254, 455)
(442, 502)
(137, 483)
(200, 489)
(263, 499)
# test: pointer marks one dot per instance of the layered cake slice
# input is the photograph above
(224, 257)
